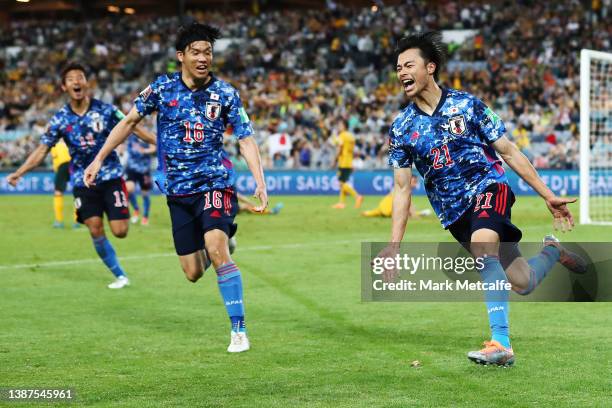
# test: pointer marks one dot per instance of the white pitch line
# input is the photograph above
(242, 249)
(172, 254)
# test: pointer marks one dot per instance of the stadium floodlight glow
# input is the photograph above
(23, 1)
(129, 10)
(113, 9)
(595, 133)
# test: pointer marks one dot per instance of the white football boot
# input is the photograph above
(239, 342)
(119, 283)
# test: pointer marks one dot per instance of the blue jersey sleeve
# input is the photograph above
(116, 116)
(148, 100)
(238, 118)
(52, 135)
(399, 157)
(488, 125)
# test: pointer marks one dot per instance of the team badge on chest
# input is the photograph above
(97, 123)
(457, 125)
(213, 109)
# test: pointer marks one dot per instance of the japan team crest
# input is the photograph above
(457, 125)
(97, 123)
(213, 110)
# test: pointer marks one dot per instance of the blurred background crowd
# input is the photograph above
(301, 72)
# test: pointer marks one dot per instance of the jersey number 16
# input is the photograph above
(198, 132)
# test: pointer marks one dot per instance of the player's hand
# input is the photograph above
(563, 219)
(262, 195)
(89, 177)
(13, 179)
(390, 251)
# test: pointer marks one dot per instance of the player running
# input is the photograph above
(138, 170)
(453, 139)
(84, 124)
(344, 158)
(194, 108)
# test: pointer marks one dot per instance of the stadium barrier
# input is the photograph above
(303, 182)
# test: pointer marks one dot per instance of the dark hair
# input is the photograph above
(196, 32)
(430, 46)
(72, 66)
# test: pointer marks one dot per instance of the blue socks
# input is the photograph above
(133, 200)
(107, 253)
(496, 301)
(146, 203)
(540, 266)
(230, 286)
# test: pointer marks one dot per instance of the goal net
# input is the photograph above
(595, 137)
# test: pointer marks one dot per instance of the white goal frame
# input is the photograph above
(585, 135)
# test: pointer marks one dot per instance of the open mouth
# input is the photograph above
(408, 84)
(202, 69)
(76, 89)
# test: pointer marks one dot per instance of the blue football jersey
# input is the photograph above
(451, 149)
(137, 160)
(85, 135)
(190, 127)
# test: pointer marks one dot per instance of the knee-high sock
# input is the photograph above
(342, 192)
(540, 265)
(107, 253)
(146, 204)
(496, 301)
(230, 286)
(133, 200)
(350, 190)
(58, 207)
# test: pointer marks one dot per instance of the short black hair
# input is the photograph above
(72, 66)
(430, 46)
(196, 32)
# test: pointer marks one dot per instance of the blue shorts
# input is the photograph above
(107, 197)
(491, 210)
(195, 214)
(142, 179)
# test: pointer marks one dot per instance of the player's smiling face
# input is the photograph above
(413, 72)
(75, 84)
(196, 59)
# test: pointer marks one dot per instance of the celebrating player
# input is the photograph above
(138, 170)
(452, 137)
(344, 158)
(84, 124)
(193, 109)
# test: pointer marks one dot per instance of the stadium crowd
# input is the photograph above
(301, 72)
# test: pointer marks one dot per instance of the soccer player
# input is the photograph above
(61, 167)
(138, 170)
(344, 158)
(249, 206)
(385, 206)
(454, 139)
(84, 124)
(194, 107)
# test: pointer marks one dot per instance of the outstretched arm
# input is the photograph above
(117, 136)
(33, 160)
(250, 152)
(145, 135)
(402, 195)
(523, 167)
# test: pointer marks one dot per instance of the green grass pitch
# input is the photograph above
(162, 341)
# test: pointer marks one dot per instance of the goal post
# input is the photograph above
(595, 137)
